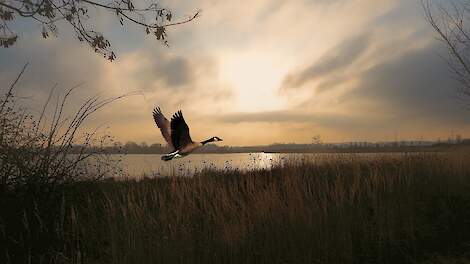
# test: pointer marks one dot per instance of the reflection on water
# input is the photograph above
(137, 165)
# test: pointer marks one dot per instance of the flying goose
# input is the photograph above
(176, 134)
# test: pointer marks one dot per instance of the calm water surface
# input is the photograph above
(137, 165)
(151, 165)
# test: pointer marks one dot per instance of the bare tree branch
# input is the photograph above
(451, 21)
(48, 12)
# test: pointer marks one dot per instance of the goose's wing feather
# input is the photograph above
(179, 131)
(163, 124)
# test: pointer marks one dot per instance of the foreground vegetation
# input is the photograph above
(393, 209)
(58, 204)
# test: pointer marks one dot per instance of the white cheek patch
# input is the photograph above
(177, 156)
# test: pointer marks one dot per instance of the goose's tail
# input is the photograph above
(171, 156)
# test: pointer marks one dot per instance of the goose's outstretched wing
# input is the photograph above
(179, 131)
(164, 125)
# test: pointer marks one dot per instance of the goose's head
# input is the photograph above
(216, 139)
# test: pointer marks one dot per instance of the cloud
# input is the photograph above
(176, 72)
(51, 63)
(416, 85)
(325, 119)
(409, 92)
(336, 59)
(160, 75)
(346, 69)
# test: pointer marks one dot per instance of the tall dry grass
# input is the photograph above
(395, 209)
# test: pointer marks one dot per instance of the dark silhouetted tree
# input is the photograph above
(48, 14)
(451, 20)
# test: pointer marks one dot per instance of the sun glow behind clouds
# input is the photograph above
(226, 71)
(255, 79)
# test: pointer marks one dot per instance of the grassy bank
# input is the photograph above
(400, 209)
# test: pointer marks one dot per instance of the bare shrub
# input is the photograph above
(37, 154)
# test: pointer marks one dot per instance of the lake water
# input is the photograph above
(151, 165)
(137, 165)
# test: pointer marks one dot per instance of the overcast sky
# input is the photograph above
(259, 72)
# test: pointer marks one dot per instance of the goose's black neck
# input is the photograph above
(207, 141)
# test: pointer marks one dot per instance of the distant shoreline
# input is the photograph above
(318, 150)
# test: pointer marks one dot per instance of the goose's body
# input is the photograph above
(176, 134)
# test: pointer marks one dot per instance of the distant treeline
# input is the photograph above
(345, 147)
